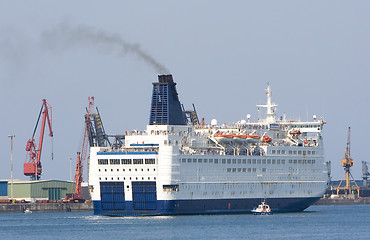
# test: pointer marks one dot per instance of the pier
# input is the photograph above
(45, 207)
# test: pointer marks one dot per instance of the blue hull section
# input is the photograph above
(209, 206)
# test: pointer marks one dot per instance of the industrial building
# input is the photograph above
(32, 191)
(3, 190)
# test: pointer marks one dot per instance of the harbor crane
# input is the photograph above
(365, 174)
(347, 163)
(32, 166)
(76, 196)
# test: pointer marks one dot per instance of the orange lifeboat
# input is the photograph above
(252, 138)
(240, 138)
(266, 139)
(295, 132)
(223, 138)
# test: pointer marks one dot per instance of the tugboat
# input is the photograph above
(262, 209)
(27, 210)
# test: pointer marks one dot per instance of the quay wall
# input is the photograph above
(343, 201)
(88, 206)
(45, 207)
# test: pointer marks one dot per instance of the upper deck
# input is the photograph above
(168, 128)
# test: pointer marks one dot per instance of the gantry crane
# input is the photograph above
(32, 166)
(347, 163)
(76, 196)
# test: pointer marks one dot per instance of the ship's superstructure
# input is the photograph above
(176, 167)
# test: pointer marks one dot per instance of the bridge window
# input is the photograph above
(152, 160)
(103, 161)
(138, 161)
(126, 161)
(114, 161)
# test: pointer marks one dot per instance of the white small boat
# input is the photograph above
(27, 210)
(262, 209)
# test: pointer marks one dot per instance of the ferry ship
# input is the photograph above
(180, 166)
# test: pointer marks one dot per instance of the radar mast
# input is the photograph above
(270, 111)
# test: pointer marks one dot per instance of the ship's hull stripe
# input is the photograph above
(211, 206)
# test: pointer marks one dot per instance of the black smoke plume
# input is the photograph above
(65, 36)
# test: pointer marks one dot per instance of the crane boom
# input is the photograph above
(32, 166)
(81, 156)
(347, 154)
(347, 163)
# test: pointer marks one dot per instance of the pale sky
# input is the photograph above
(315, 55)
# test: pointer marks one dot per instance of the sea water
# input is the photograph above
(317, 222)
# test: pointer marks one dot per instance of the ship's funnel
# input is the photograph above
(166, 106)
(165, 79)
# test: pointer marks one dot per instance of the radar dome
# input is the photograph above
(214, 122)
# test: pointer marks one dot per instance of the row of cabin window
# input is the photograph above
(243, 170)
(234, 161)
(248, 161)
(293, 152)
(125, 170)
(124, 178)
(292, 126)
(247, 170)
(126, 161)
(302, 161)
(306, 126)
(248, 185)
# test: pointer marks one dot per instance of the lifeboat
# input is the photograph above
(239, 138)
(223, 138)
(266, 139)
(295, 132)
(252, 138)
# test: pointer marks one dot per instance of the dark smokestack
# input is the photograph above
(166, 106)
(165, 78)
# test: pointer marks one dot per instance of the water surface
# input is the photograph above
(317, 222)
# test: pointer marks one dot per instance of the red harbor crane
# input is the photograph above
(76, 196)
(32, 166)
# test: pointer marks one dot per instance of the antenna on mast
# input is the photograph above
(270, 111)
